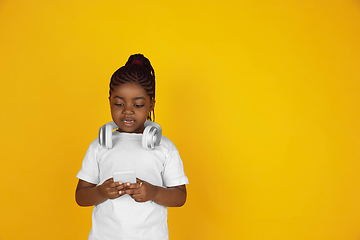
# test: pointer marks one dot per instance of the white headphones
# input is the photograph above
(150, 140)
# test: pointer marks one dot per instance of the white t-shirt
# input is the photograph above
(123, 217)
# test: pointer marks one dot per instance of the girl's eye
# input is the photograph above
(138, 106)
(119, 104)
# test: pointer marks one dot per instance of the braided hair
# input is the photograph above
(137, 70)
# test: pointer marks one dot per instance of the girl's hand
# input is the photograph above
(141, 191)
(111, 190)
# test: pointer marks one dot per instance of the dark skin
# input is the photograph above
(88, 194)
(129, 102)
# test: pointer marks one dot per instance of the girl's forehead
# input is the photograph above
(129, 90)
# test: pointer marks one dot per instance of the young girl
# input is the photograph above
(138, 210)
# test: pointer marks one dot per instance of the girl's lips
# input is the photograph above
(128, 122)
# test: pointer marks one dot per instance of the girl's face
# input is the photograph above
(130, 106)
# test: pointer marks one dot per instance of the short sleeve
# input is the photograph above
(173, 174)
(89, 171)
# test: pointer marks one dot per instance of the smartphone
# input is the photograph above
(125, 176)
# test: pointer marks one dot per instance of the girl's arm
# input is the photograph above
(88, 194)
(169, 197)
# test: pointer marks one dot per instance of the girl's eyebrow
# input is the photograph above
(139, 98)
(135, 98)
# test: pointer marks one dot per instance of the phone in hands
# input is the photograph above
(125, 176)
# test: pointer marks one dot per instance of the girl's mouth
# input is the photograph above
(128, 122)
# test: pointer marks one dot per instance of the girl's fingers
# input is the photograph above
(122, 192)
(134, 190)
(115, 184)
(120, 185)
(131, 191)
(138, 184)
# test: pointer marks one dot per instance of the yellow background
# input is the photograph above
(260, 97)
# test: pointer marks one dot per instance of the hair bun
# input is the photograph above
(135, 61)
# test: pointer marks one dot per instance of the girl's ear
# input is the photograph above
(152, 105)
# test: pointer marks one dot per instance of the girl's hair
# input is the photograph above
(138, 70)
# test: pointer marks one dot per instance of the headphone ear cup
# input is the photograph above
(151, 135)
(108, 136)
(105, 134)
(102, 135)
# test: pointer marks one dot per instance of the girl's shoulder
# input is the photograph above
(95, 143)
(95, 147)
(167, 143)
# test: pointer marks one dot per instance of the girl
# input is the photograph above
(138, 210)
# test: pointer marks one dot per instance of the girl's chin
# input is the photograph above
(131, 129)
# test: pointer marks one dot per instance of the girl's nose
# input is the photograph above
(128, 111)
